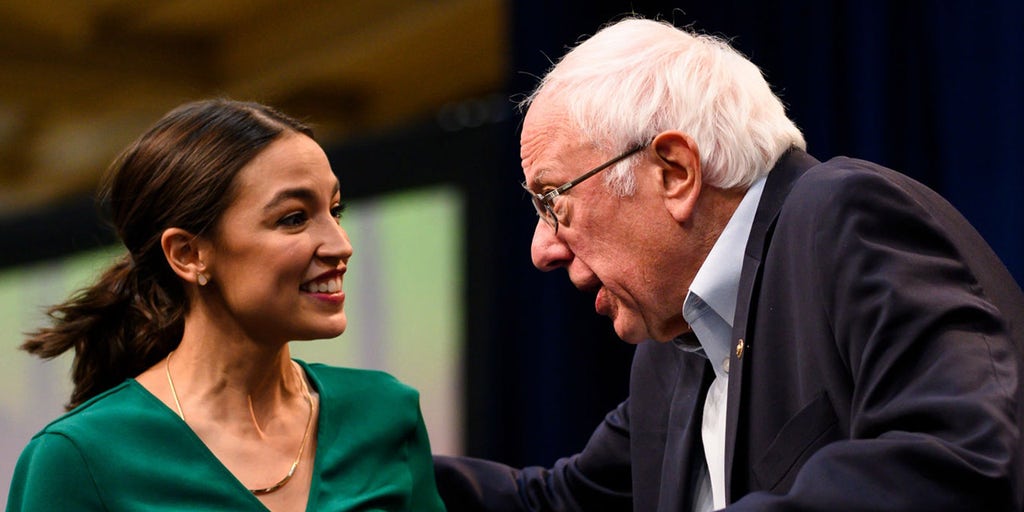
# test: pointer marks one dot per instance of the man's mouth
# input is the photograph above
(601, 304)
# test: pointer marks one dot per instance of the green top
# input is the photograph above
(125, 450)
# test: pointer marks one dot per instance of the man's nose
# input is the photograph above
(547, 250)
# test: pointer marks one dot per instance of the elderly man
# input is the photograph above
(812, 335)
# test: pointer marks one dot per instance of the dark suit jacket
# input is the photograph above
(876, 366)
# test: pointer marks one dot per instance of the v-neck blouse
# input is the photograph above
(125, 450)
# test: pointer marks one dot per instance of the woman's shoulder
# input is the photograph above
(368, 390)
(85, 432)
(110, 403)
(357, 379)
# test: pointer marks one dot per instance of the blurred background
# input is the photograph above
(414, 102)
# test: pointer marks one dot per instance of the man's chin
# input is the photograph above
(632, 336)
(635, 335)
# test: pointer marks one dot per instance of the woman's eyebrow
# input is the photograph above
(301, 193)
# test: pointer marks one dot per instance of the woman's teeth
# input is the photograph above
(329, 286)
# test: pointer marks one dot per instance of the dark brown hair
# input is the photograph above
(179, 173)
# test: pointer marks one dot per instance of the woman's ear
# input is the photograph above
(679, 161)
(185, 255)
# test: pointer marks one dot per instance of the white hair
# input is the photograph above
(636, 78)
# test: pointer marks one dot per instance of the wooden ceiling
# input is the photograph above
(79, 79)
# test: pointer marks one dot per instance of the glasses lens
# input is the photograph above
(544, 211)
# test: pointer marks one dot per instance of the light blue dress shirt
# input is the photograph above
(710, 308)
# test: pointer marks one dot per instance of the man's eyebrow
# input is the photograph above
(538, 179)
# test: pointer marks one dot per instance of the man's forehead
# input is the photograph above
(545, 130)
(538, 155)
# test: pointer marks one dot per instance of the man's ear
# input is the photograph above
(184, 254)
(679, 161)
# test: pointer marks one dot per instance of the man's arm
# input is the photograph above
(598, 478)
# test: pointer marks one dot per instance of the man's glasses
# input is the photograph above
(545, 203)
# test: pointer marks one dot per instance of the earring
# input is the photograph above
(201, 277)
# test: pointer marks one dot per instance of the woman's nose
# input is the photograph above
(335, 244)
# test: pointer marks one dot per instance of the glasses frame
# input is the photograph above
(545, 203)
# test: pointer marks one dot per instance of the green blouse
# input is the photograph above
(125, 450)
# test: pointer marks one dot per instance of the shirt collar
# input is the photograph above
(718, 280)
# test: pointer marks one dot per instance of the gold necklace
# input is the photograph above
(305, 435)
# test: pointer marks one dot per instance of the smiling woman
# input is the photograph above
(230, 213)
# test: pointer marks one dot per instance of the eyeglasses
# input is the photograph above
(545, 203)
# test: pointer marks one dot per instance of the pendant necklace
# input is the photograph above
(305, 435)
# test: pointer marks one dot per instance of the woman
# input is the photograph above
(185, 396)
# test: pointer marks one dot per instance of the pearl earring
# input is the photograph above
(201, 277)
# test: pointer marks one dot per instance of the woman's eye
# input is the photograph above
(292, 219)
(337, 210)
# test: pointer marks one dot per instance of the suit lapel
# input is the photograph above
(780, 181)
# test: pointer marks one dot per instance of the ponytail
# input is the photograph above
(118, 327)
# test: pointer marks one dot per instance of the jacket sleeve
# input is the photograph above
(424, 493)
(930, 356)
(52, 475)
(598, 478)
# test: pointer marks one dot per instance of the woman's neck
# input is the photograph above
(230, 378)
(247, 402)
